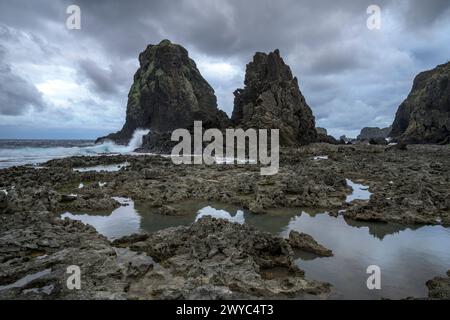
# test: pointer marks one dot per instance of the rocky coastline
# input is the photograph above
(406, 187)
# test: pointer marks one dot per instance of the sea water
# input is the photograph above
(32, 152)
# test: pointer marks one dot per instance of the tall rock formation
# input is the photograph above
(168, 93)
(368, 133)
(271, 99)
(424, 117)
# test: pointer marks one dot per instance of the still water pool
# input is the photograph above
(407, 255)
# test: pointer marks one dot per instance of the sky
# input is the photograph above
(61, 83)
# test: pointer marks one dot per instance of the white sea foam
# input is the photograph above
(34, 155)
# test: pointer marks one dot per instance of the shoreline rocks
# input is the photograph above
(218, 259)
(439, 287)
(407, 188)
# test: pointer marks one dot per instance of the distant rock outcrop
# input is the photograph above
(322, 131)
(168, 93)
(368, 133)
(323, 136)
(271, 99)
(424, 117)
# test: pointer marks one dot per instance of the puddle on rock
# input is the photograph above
(121, 222)
(407, 256)
(360, 191)
(100, 168)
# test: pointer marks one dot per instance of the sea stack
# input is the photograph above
(168, 93)
(368, 133)
(424, 117)
(271, 99)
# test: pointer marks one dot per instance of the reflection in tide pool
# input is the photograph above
(100, 168)
(407, 256)
(360, 191)
(121, 222)
(222, 214)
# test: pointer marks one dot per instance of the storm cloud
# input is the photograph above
(17, 95)
(351, 76)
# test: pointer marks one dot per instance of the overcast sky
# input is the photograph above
(61, 83)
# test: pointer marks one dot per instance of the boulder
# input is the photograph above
(439, 287)
(307, 243)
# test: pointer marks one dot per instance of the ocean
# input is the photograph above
(35, 152)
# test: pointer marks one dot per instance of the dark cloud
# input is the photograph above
(422, 14)
(351, 76)
(17, 95)
(103, 81)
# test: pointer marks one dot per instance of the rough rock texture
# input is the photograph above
(378, 141)
(271, 99)
(217, 259)
(407, 188)
(368, 133)
(36, 248)
(168, 93)
(424, 117)
(307, 243)
(439, 287)
(157, 142)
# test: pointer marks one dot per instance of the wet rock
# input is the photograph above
(439, 287)
(36, 248)
(219, 259)
(89, 203)
(307, 243)
(167, 210)
(157, 142)
(3, 200)
(408, 188)
(68, 197)
(417, 193)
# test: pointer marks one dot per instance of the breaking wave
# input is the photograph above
(30, 154)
